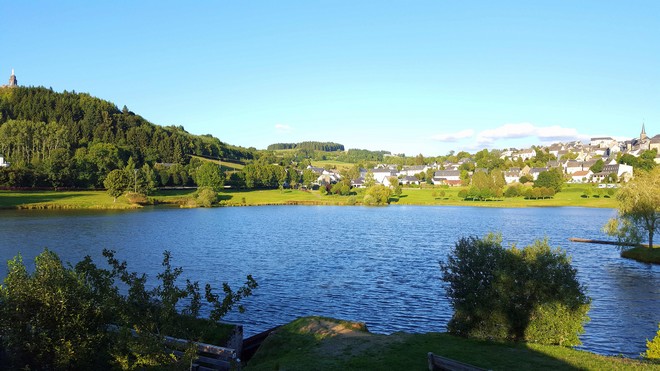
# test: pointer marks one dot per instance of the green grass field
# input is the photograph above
(61, 200)
(315, 343)
(570, 196)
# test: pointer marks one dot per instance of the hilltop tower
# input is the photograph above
(12, 79)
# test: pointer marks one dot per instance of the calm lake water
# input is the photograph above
(375, 265)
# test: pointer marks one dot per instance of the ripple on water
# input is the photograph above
(375, 265)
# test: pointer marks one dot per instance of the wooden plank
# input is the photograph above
(204, 348)
(439, 363)
(601, 242)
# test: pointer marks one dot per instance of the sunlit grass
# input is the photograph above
(61, 200)
(297, 346)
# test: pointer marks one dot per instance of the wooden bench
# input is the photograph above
(439, 363)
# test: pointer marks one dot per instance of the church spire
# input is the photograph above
(642, 135)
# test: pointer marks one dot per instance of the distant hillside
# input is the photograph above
(77, 138)
(87, 119)
(316, 146)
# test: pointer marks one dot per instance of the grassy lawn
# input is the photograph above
(316, 343)
(61, 200)
(570, 196)
(643, 254)
(338, 164)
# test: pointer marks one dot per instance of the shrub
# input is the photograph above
(57, 317)
(136, 198)
(351, 200)
(205, 196)
(529, 294)
(653, 347)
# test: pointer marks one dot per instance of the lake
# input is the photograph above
(378, 265)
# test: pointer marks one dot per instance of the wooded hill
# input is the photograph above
(315, 146)
(72, 139)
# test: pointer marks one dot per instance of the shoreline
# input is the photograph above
(99, 200)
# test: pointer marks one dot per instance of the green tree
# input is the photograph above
(209, 175)
(395, 186)
(597, 167)
(552, 178)
(378, 194)
(369, 180)
(116, 183)
(57, 317)
(530, 294)
(638, 209)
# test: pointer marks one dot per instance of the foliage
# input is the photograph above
(638, 209)
(73, 140)
(55, 317)
(529, 294)
(552, 179)
(315, 146)
(378, 195)
(597, 167)
(59, 317)
(653, 346)
(485, 186)
(209, 174)
(116, 183)
(206, 196)
(644, 162)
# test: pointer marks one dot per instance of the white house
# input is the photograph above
(583, 176)
(603, 142)
(381, 174)
(447, 177)
(2, 162)
(512, 176)
(524, 154)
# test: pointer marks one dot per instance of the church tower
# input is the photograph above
(642, 135)
(12, 79)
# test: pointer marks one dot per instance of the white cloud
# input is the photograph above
(553, 133)
(283, 128)
(454, 137)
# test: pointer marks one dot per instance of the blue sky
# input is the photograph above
(409, 77)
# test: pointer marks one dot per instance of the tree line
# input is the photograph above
(310, 145)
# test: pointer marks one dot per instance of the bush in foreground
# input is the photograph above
(61, 317)
(530, 294)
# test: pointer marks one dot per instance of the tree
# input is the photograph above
(530, 294)
(58, 316)
(638, 209)
(116, 183)
(378, 194)
(395, 186)
(369, 180)
(597, 167)
(553, 179)
(209, 175)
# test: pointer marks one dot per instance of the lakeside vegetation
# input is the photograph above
(314, 343)
(572, 195)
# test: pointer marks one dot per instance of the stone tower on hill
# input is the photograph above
(642, 135)
(12, 79)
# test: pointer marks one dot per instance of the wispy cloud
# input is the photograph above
(527, 130)
(283, 128)
(454, 137)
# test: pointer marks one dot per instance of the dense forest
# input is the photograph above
(72, 139)
(314, 146)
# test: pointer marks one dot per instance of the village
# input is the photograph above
(596, 162)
